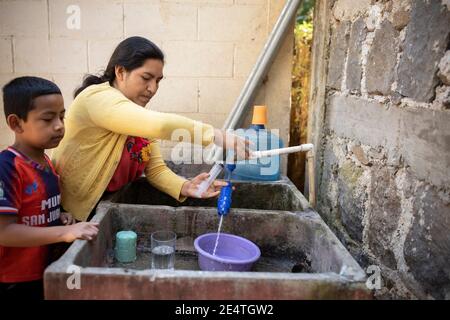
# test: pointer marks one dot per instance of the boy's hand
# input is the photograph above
(81, 230)
(66, 218)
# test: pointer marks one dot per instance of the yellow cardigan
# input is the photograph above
(97, 124)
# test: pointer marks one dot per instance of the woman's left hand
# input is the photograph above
(190, 187)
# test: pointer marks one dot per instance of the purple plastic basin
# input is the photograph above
(233, 253)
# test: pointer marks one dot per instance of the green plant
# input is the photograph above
(303, 31)
(305, 12)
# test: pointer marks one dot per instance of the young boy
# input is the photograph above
(30, 216)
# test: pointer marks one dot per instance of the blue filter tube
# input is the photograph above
(224, 201)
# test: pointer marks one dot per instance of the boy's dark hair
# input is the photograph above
(131, 54)
(19, 94)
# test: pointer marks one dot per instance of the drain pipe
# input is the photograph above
(311, 178)
(259, 71)
(253, 82)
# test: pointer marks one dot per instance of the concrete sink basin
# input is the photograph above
(300, 256)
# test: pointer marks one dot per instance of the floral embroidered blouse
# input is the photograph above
(135, 156)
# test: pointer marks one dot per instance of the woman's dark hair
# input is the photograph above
(131, 54)
(19, 94)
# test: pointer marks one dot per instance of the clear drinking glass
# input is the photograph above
(163, 249)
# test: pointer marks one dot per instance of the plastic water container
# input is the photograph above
(266, 168)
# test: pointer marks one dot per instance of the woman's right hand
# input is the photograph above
(231, 141)
(81, 230)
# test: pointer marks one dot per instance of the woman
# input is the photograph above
(110, 136)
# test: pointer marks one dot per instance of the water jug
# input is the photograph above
(263, 169)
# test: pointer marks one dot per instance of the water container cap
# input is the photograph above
(259, 115)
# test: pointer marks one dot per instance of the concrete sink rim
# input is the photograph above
(353, 273)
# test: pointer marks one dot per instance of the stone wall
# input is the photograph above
(381, 124)
(210, 46)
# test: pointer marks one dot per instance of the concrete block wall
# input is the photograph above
(382, 127)
(210, 47)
